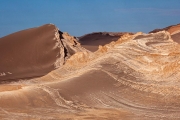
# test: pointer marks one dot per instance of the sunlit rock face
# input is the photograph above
(174, 31)
(35, 52)
(135, 77)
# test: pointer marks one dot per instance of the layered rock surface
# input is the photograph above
(174, 30)
(135, 77)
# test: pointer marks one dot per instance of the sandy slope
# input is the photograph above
(35, 52)
(134, 78)
(93, 40)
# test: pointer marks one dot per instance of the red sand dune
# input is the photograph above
(34, 52)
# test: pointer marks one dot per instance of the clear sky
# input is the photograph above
(79, 17)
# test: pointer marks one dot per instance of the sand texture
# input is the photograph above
(135, 77)
(93, 40)
(35, 52)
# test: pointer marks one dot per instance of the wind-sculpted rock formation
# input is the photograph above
(174, 30)
(35, 52)
(135, 77)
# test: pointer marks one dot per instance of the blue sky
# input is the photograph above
(79, 17)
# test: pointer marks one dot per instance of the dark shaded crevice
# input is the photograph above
(60, 35)
(75, 41)
(65, 54)
(65, 49)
